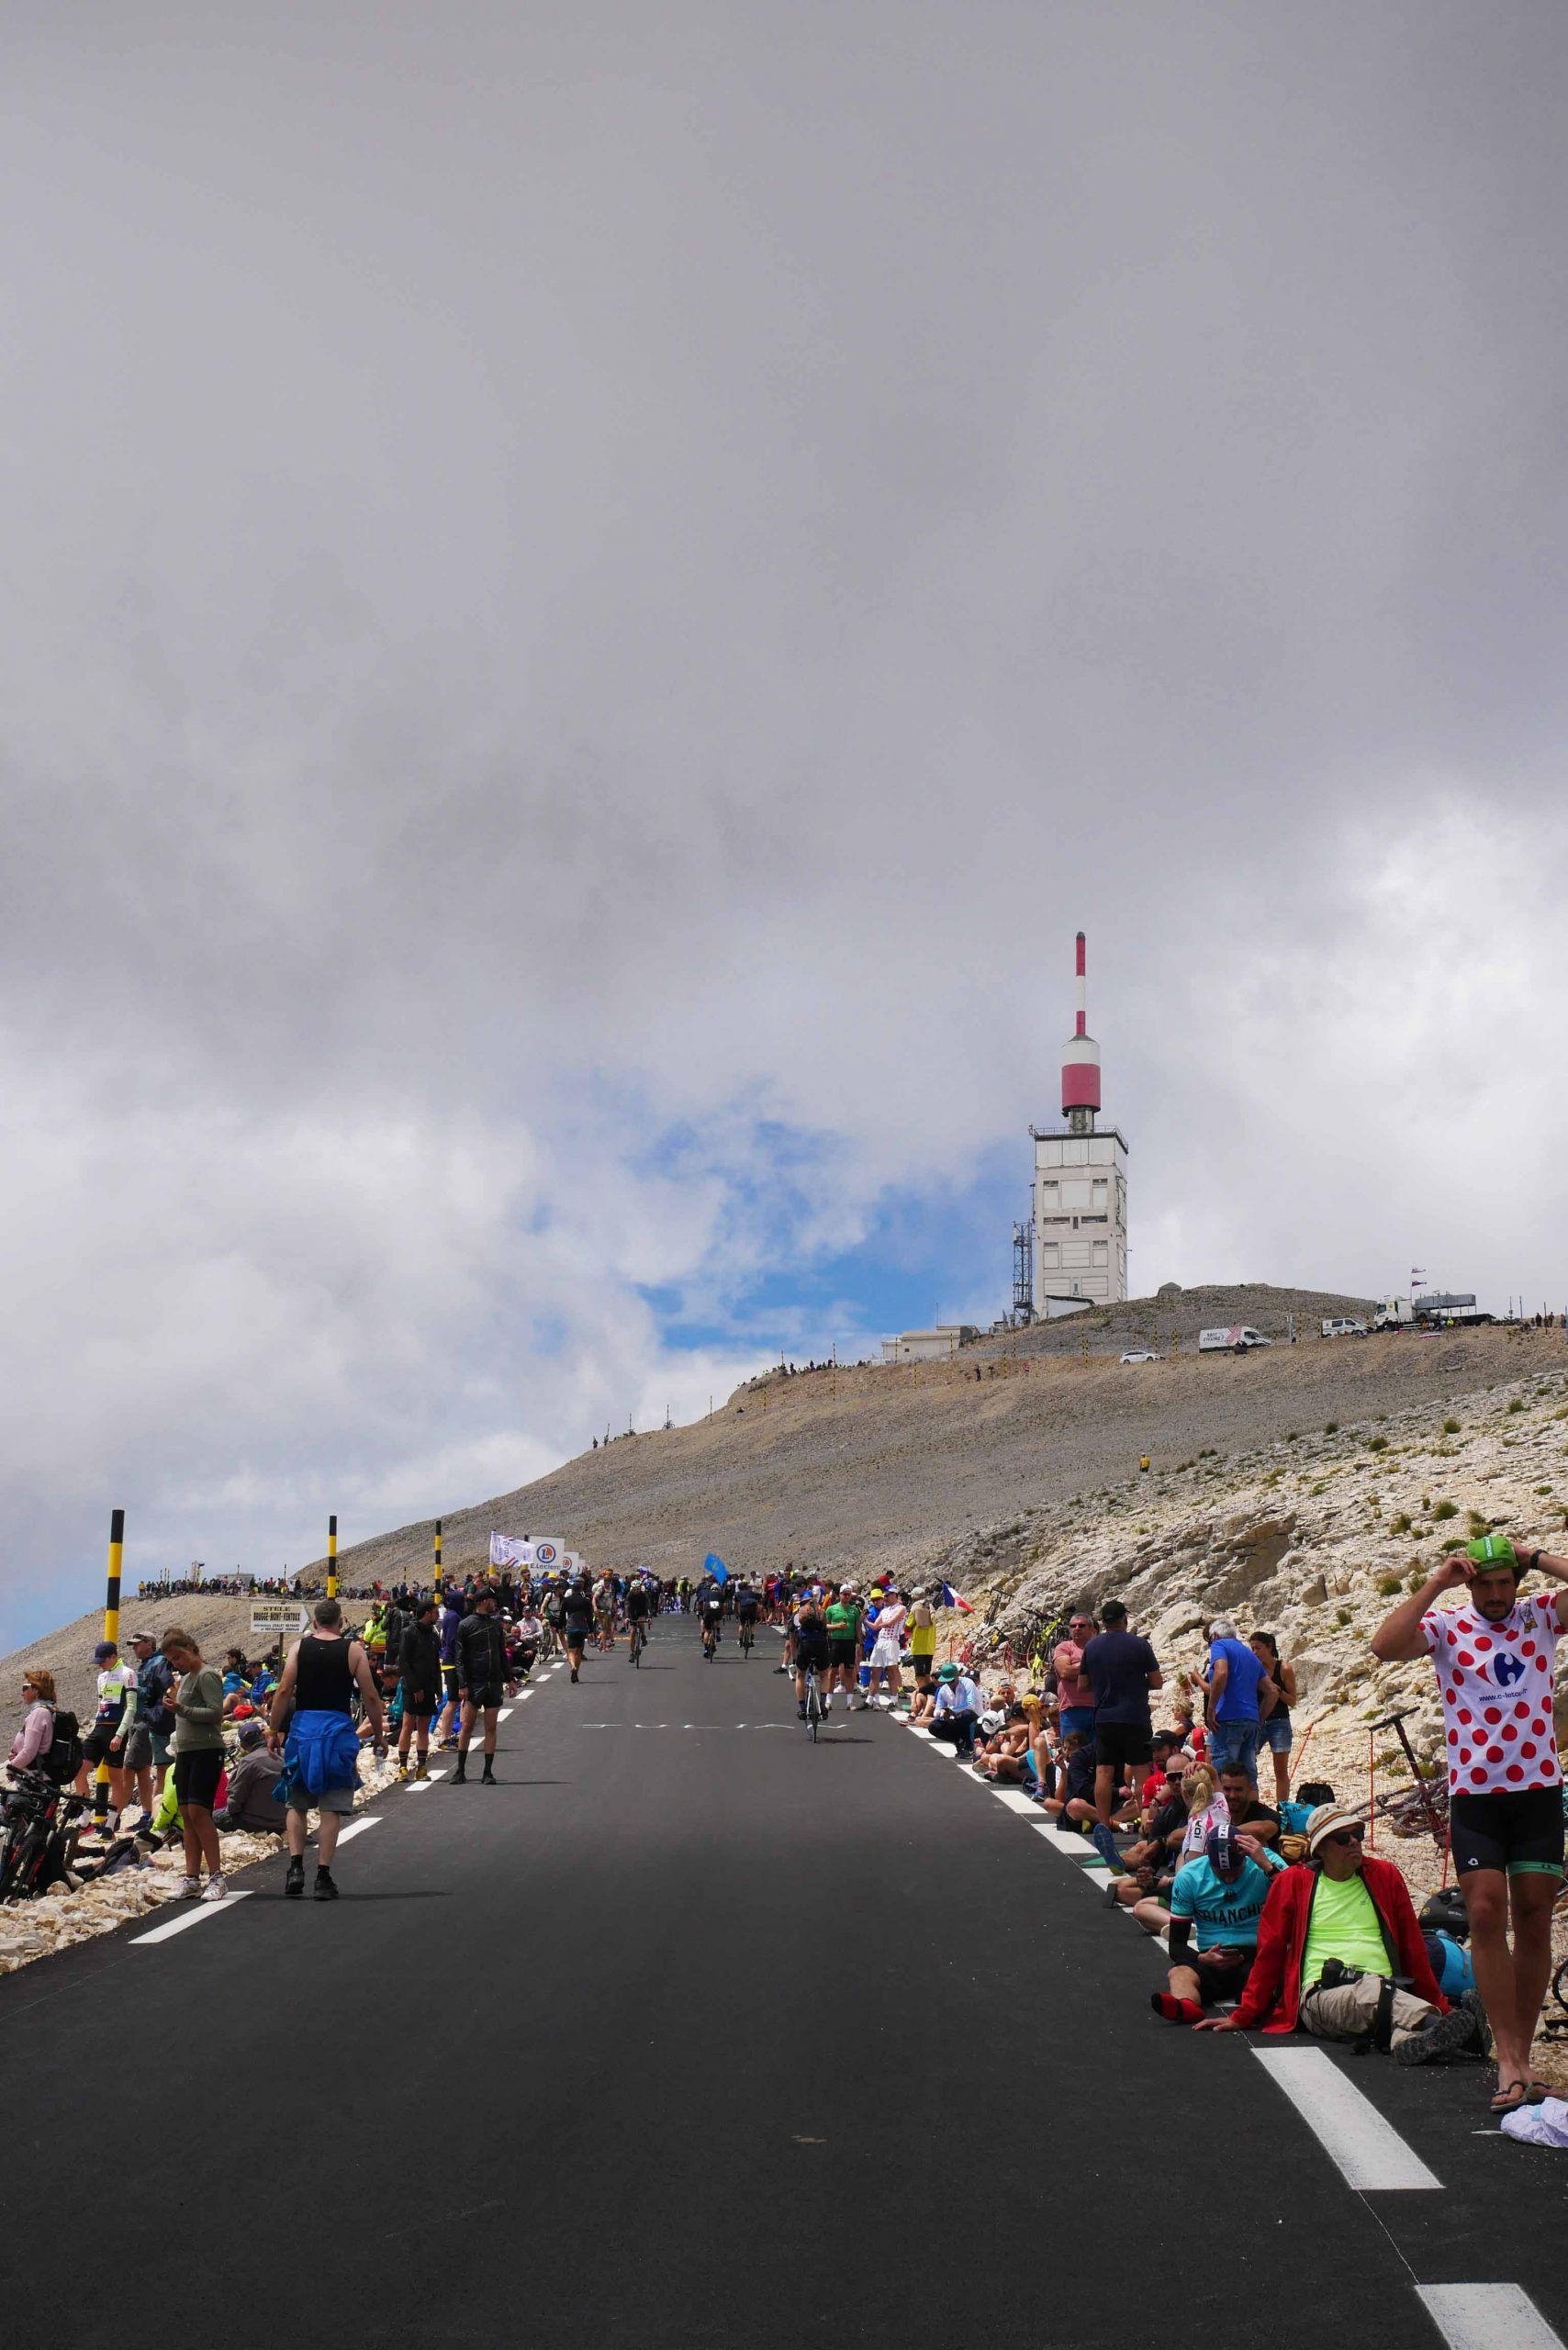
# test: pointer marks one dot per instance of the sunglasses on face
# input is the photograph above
(1346, 1836)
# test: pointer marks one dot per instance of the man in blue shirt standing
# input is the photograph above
(1235, 1678)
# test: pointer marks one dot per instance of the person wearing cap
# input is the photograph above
(252, 1804)
(1215, 1902)
(1240, 1695)
(958, 1709)
(419, 1668)
(105, 1742)
(843, 1616)
(1337, 1937)
(1494, 1656)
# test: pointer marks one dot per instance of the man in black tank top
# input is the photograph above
(315, 1699)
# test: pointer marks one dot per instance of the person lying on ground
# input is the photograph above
(1216, 1903)
(1336, 1933)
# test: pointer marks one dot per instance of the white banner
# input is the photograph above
(506, 1552)
(549, 1553)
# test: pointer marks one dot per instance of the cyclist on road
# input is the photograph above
(639, 1608)
(812, 1652)
(604, 1611)
(746, 1608)
(710, 1610)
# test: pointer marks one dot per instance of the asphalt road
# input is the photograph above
(691, 2031)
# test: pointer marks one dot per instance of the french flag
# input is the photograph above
(950, 1598)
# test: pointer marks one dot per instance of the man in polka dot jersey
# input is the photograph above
(1496, 1661)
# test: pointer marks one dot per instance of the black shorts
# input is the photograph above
(747, 1614)
(841, 1653)
(1221, 1973)
(1520, 1832)
(449, 1689)
(576, 1634)
(95, 1745)
(812, 1656)
(419, 1705)
(1120, 1744)
(197, 1776)
(486, 1696)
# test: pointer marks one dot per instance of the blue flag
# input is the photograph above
(714, 1565)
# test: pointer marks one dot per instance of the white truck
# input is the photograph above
(1343, 1326)
(1439, 1309)
(1233, 1337)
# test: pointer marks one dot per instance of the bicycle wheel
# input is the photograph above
(814, 1707)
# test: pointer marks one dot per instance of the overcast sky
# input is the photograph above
(592, 593)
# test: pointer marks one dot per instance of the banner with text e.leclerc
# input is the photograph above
(506, 1551)
(549, 1553)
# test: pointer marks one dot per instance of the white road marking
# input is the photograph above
(1369, 2151)
(191, 1914)
(418, 1786)
(1015, 1800)
(357, 1828)
(1487, 2317)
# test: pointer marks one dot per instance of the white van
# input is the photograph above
(1235, 1338)
(1345, 1326)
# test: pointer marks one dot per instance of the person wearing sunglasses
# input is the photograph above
(36, 1736)
(1338, 1937)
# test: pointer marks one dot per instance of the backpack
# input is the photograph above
(1315, 1792)
(1444, 1913)
(65, 1755)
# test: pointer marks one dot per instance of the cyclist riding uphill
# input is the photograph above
(810, 1648)
(1495, 1657)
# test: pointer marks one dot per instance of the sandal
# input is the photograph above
(1505, 2101)
(1536, 2092)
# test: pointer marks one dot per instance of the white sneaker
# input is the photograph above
(215, 1889)
(190, 1889)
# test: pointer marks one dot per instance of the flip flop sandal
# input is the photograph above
(1536, 2092)
(1504, 2102)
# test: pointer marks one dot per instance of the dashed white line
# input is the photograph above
(190, 1915)
(1368, 2151)
(418, 1786)
(357, 1828)
(1487, 2317)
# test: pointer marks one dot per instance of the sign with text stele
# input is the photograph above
(284, 1616)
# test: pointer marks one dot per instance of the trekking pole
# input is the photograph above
(111, 1632)
(1299, 1755)
(1396, 1722)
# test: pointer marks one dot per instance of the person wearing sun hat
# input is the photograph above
(1337, 1935)
(1494, 1656)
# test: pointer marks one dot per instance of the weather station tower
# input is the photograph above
(1079, 1220)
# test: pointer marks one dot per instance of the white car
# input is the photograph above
(1141, 1354)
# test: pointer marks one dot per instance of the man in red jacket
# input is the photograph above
(1335, 1932)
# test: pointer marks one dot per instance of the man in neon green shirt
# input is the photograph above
(844, 1612)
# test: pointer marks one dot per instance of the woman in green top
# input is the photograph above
(198, 1760)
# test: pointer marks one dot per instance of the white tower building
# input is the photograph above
(1080, 1186)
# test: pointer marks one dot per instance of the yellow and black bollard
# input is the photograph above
(111, 1632)
(332, 1557)
(438, 1558)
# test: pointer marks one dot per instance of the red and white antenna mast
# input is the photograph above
(1081, 1060)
